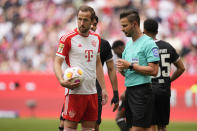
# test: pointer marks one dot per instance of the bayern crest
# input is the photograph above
(94, 43)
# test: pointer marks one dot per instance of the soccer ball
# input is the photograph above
(74, 72)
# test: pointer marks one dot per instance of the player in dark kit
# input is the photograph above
(106, 56)
(118, 47)
(162, 82)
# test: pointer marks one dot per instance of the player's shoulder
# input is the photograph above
(149, 41)
(147, 38)
(164, 44)
(128, 44)
(94, 33)
(105, 46)
(68, 35)
(103, 41)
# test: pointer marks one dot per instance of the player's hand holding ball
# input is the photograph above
(73, 77)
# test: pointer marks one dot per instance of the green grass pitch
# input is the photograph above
(35, 124)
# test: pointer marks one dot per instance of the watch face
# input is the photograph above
(131, 66)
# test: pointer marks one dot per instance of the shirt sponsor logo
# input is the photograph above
(88, 55)
(61, 47)
(155, 52)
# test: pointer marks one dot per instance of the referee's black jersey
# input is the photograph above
(168, 55)
(105, 55)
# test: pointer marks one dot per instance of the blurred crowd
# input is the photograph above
(30, 29)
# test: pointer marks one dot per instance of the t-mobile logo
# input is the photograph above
(88, 55)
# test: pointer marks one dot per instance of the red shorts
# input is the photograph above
(81, 107)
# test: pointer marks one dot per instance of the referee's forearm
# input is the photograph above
(145, 70)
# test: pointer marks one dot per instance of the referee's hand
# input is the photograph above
(115, 100)
(122, 64)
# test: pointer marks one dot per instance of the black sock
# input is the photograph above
(122, 124)
(61, 128)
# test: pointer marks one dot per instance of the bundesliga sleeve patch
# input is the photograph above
(155, 52)
(60, 48)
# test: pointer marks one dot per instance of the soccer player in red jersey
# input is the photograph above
(81, 48)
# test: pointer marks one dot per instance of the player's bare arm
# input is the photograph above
(180, 69)
(112, 74)
(114, 83)
(101, 79)
(58, 72)
(151, 69)
(57, 68)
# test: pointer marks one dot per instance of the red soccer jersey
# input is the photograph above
(80, 51)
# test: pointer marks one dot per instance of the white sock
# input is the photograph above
(69, 129)
(88, 129)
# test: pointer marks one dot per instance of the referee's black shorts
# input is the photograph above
(161, 106)
(138, 105)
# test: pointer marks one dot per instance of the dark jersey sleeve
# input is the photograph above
(166, 48)
(174, 55)
(105, 51)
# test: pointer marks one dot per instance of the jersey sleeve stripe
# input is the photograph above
(64, 37)
(177, 60)
(57, 54)
(109, 59)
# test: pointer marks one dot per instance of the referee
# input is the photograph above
(139, 62)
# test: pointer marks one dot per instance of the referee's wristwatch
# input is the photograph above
(131, 66)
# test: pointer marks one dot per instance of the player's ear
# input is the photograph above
(135, 23)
